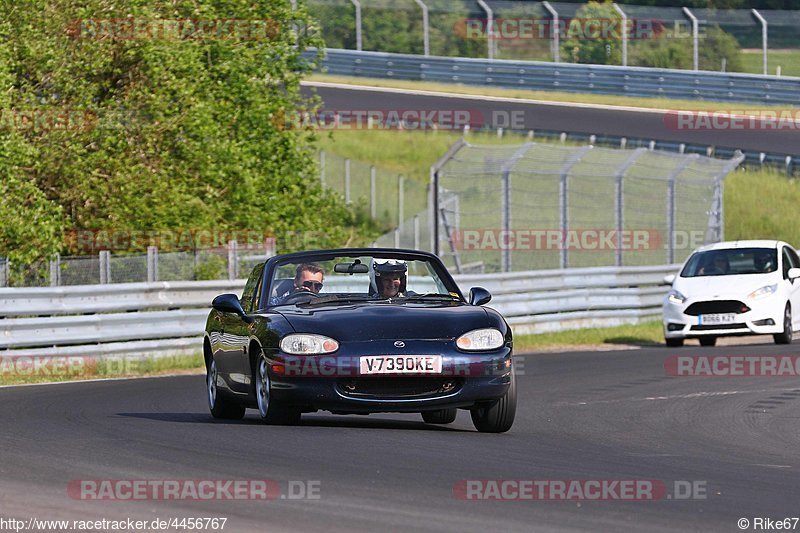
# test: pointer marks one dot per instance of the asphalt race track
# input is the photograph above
(582, 416)
(564, 117)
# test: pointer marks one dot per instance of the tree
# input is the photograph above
(716, 45)
(176, 117)
(588, 38)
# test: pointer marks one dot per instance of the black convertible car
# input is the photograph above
(358, 331)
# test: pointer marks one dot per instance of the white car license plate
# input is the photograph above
(401, 364)
(718, 318)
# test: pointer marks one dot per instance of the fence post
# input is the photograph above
(695, 38)
(55, 271)
(357, 5)
(556, 33)
(671, 179)
(490, 40)
(347, 181)
(563, 198)
(416, 232)
(152, 263)
(105, 267)
(4, 271)
(763, 40)
(624, 33)
(233, 267)
(433, 216)
(505, 219)
(373, 206)
(426, 34)
(400, 199)
(620, 198)
(397, 237)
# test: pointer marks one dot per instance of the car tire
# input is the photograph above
(674, 343)
(440, 416)
(785, 337)
(271, 411)
(498, 416)
(219, 405)
(707, 341)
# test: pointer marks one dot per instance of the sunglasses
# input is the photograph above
(313, 285)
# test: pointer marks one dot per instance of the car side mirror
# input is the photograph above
(229, 303)
(669, 279)
(479, 296)
(793, 273)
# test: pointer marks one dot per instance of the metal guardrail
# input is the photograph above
(168, 318)
(599, 79)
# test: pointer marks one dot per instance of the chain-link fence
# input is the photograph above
(524, 30)
(389, 198)
(233, 262)
(535, 206)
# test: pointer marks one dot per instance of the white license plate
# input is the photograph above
(401, 364)
(718, 318)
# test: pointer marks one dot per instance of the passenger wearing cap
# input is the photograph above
(388, 278)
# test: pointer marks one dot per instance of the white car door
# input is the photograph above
(790, 260)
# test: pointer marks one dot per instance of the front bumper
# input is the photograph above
(764, 318)
(333, 383)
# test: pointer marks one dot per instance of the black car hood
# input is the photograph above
(376, 321)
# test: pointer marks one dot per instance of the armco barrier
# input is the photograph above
(567, 77)
(164, 317)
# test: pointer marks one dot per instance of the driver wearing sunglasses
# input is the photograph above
(308, 277)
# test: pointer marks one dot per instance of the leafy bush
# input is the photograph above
(605, 50)
(163, 131)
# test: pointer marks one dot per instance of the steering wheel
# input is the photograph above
(295, 297)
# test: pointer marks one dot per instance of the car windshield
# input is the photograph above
(343, 279)
(731, 262)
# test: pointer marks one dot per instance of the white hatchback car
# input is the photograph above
(734, 288)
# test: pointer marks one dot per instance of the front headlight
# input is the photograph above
(308, 344)
(480, 339)
(763, 292)
(675, 297)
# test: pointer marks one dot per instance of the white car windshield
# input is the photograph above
(731, 262)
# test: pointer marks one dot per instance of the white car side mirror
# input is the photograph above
(794, 273)
(669, 279)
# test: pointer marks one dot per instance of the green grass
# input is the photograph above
(762, 205)
(650, 103)
(644, 334)
(789, 61)
(22, 370)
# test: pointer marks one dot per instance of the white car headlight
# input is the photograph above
(675, 297)
(763, 292)
(480, 339)
(308, 344)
